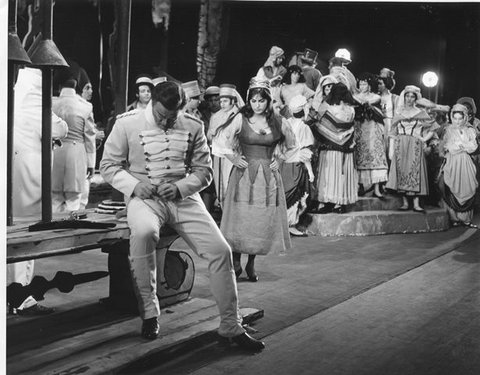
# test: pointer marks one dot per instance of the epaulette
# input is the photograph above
(191, 117)
(128, 113)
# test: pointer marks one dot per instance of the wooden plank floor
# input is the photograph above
(317, 274)
(108, 347)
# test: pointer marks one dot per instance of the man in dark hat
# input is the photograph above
(310, 72)
(165, 173)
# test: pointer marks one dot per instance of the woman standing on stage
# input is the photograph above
(370, 154)
(337, 179)
(457, 181)
(254, 219)
(411, 129)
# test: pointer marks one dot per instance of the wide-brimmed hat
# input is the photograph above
(309, 55)
(344, 55)
(144, 79)
(192, 89)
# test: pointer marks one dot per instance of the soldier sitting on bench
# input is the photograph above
(168, 165)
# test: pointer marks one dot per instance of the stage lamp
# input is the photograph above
(430, 79)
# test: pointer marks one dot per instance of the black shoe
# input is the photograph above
(251, 275)
(150, 328)
(322, 210)
(244, 341)
(36, 310)
(339, 210)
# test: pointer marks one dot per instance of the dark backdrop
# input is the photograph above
(409, 38)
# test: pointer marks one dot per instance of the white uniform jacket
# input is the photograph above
(125, 161)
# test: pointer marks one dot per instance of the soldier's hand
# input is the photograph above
(90, 173)
(144, 190)
(168, 192)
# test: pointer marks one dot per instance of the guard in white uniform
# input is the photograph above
(160, 160)
(75, 160)
(27, 168)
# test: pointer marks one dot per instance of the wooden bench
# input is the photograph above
(24, 245)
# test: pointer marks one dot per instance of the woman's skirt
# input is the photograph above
(337, 178)
(408, 171)
(254, 219)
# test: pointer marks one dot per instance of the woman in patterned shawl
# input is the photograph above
(337, 179)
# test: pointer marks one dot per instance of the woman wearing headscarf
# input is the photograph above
(230, 103)
(254, 219)
(337, 178)
(296, 168)
(457, 181)
(388, 102)
(370, 154)
(411, 130)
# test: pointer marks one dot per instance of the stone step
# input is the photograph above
(369, 203)
(371, 223)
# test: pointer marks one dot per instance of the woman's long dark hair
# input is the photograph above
(273, 119)
(287, 78)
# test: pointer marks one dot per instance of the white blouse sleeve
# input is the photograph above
(226, 142)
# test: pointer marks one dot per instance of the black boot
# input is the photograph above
(150, 328)
(250, 269)
(236, 264)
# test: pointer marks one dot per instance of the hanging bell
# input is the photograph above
(44, 52)
(16, 52)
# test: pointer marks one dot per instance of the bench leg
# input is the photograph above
(121, 295)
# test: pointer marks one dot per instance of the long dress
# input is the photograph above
(254, 219)
(370, 154)
(337, 178)
(294, 171)
(458, 182)
(408, 170)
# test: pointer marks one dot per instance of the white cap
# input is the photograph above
(343, 54)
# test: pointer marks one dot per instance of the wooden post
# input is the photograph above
(47, 119)
(10, 140)
(120, 53)
(119, 56)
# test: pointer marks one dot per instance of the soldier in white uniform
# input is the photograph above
(75, 160)
(159, 159)
(27, 169)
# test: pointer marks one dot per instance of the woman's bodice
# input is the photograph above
(255, 145)
(413, 127)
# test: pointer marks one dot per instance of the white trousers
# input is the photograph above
(66, 201)
(193, 223)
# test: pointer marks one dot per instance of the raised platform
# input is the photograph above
(111, 343)
(372, 216)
